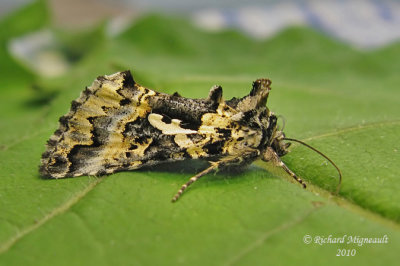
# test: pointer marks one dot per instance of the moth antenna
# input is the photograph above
(323, 155)
(283, 122)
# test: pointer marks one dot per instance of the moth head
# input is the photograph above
(277, 137)
(278, 143)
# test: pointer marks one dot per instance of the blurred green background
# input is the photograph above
(339, 97)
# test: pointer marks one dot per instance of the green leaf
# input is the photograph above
(342, 101)
(29, 18)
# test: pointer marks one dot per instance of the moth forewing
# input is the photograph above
(117, 124)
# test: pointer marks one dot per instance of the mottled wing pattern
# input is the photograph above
(90, 137)
(117, 125)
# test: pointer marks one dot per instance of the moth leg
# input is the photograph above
(244, 158)
(194, 179)
(271, 156)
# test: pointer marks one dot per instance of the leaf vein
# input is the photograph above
(55, 212)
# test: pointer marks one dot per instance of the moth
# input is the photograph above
(117, 125)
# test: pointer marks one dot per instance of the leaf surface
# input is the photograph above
(342, 101)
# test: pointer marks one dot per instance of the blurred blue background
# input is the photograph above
(364, 24)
